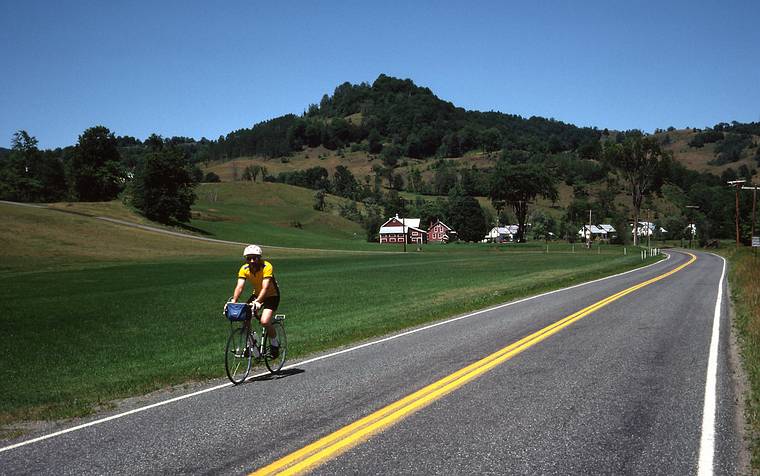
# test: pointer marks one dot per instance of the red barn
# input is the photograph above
(402, 230)
(439, 232)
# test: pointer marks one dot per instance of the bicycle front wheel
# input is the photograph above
(237, 355)
(274, 357)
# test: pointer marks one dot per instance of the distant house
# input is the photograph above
(611, 232)
(439, 232)
(597, 232)
(501, 234)
(647, 228)
(402, 230)
(592, 232)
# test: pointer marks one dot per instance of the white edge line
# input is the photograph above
(315, 359)
(707, 441)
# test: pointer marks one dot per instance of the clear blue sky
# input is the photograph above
(201, 68)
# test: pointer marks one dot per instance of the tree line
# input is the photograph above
(156, 177)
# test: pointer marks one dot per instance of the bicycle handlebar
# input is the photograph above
(254, 310)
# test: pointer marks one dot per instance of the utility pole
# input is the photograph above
(649, 228)
(737, 184)
(754, 203)
(406, 231)
(588, 239)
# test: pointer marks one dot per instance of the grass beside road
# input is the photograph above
(91, 311)
(77, 337)
(744, 276)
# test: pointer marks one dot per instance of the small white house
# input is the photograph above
(647, 228)
(592, 232)
(500, 234)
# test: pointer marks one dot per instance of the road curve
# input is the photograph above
(620, 390)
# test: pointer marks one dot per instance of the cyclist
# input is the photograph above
(266, 293)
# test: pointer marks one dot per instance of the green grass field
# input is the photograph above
(744, 274)
(91, 312)
(274, 214)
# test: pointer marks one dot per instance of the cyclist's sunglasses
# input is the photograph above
(252, 257)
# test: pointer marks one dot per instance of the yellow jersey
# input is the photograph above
(256, 278)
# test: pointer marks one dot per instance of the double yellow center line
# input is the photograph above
(335, 443)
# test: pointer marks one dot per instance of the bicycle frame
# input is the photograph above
(245, 346)
(258, 339)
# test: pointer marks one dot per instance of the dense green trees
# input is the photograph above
(314, 177)
(158, 172)
(393, 110)
(706, 137)
(344, 183)
(30, 175)
(638, 162)
(730, 148)
(517, 186)
(162, 188)
(94, 169)
(466, 216)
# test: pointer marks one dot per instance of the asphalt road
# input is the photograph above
(620, 391)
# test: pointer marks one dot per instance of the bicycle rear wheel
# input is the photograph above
(238, 355)
(275, 363)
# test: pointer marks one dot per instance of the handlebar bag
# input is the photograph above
(238, 311)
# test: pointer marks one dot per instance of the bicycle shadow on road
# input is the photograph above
(278, 375)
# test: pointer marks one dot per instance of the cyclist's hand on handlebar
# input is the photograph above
(224, 311)
(256, 305)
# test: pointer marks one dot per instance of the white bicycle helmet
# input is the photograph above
(252, 250)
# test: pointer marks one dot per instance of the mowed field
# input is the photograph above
(91, 311)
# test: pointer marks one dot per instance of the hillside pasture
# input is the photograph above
(274, 214)
(698, 158)
(43, 240)
(360, 163)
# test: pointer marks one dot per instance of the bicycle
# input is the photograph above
(244, 346)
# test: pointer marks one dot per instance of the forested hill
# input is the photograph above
(407, 117)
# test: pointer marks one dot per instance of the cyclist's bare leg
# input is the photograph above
(266, 321)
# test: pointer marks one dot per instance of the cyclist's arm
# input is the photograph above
(238, 289)
(264, 287)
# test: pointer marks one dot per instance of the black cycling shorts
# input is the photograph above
(271, 302)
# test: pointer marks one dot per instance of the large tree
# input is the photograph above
(344, 182)
(162, 187)
(30, 175)
(465, 215)
(637, 160)
(95, 171)
(17, 182)
(518, 185)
